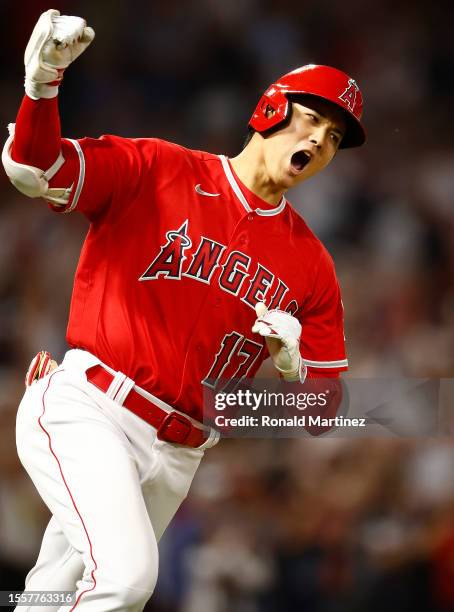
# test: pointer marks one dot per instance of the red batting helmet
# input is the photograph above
(321, 81)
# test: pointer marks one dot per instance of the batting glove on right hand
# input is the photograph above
(282, 332)
(56, 41)
(41, 365)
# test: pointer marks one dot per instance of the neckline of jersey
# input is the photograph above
(239, 189)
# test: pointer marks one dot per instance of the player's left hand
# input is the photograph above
(282, 332)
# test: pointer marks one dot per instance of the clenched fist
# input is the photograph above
(56, 41)
(282, 332)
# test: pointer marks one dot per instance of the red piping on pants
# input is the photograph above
(69, 492)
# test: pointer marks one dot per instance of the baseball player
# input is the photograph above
(195, 268)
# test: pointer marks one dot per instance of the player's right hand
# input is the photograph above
(282, 333)
(56, 41)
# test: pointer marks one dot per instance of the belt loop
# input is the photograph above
(115, 385)
(211, 441)
(124, 390)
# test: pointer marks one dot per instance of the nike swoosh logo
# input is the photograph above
(200, 191)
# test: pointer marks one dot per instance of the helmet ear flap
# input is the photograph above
(262, 110)
(271, 110)
(281, 123)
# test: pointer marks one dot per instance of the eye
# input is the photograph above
(335, 138)
(312, 117)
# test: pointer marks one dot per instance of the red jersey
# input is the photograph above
(177, 255)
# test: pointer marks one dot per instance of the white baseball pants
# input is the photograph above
(111, 485)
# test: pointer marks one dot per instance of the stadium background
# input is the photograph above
(326, 525)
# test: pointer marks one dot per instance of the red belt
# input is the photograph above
(171, 426)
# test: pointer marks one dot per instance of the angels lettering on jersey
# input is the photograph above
(251, 283)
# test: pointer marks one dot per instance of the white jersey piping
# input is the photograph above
(239, 194)
(341, 363)
(80, 182)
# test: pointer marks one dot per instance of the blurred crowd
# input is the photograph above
(324, 525)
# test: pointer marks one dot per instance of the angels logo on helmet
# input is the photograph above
(349, 95)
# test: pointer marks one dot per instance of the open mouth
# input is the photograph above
(299, 161)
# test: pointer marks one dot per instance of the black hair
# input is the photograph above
(249, 135)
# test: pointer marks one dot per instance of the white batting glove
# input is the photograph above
(56, 41)
(282, 332)
(41, 365)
